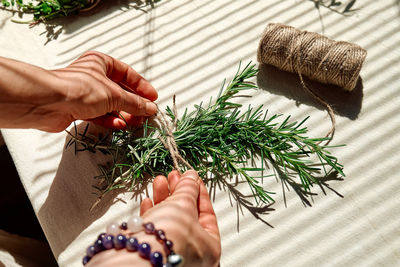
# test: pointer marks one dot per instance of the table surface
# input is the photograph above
(187, 48)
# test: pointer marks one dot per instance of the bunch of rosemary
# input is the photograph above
(221, 141)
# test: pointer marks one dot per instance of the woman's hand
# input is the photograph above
(182, 208)
(95, 87)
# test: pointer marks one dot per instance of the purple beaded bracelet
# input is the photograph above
(114, 239)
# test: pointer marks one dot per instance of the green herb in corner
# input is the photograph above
(50, 9)
(45, 10)
(223, 143)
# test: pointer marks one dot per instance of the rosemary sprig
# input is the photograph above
(45, 10)
(222, 142)
(336, 6)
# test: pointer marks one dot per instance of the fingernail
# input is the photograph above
(150, 108)
(192, 174)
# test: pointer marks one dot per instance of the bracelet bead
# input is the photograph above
(175, 260)
(101, 235)
(144, 250)
(124, 226)
(132, 244)
(120, 241)
(113, 229)
(85, 260)
(108, 241)
(135, 224)
(98, 246)
(156, 259)
(168, 244)
(160, 235)
(149, 228)
(90, 251)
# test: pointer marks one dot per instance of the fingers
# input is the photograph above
(117, 121)
(187, 191)
(145, 205)
(207, 218)
(160, 189)
(137, 105)
(160, 193)
(125, 90)
(142, 88)
(173, 178)
(127, 77)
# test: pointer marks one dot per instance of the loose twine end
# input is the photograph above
(328, 107)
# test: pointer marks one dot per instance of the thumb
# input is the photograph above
(187, 190)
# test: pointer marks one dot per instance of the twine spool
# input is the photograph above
(312, 55)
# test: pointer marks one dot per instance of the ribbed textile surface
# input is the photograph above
(187, 48)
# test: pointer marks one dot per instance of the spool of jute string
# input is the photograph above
(314, 56)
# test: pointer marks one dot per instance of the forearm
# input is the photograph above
(24, 90)
(88, 89)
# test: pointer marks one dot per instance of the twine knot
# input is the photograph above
(168, 139)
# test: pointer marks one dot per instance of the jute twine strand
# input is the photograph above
(168, 139)
(314, 56)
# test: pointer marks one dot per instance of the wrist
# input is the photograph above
(120, 258)
(150, 244)
(26, 92)
(25, 83)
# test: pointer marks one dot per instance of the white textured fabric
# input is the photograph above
(187, 48)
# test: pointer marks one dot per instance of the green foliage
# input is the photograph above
(341, 7)
(45, 10)
(49, 9)
(222, 142)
